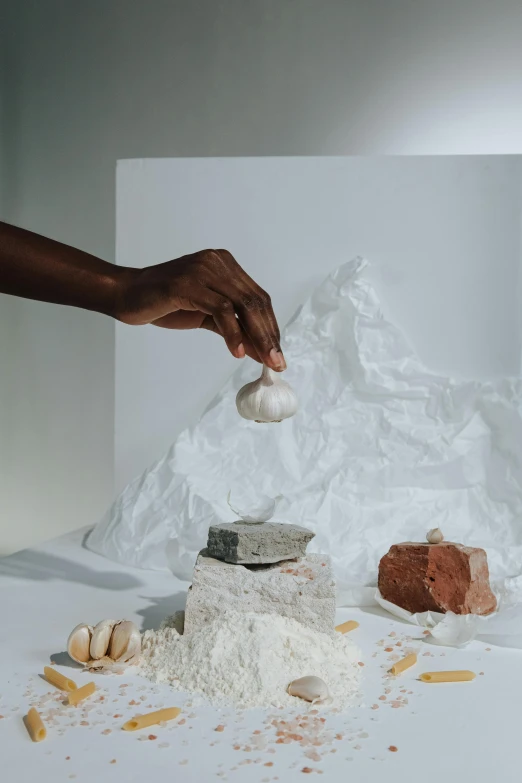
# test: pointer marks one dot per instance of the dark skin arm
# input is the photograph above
(205, 290)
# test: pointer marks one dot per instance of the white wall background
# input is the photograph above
(444, 235)
(88, 83)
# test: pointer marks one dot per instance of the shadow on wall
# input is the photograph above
(43, 567)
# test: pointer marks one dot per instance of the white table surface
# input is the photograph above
(451, 732)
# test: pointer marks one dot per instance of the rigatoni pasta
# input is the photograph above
(349, 625)
(55, 678)
(457, 676)
(403, 664)
(82, 693)
(151, 719)
(35, 726)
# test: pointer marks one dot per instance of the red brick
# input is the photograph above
(442, 577)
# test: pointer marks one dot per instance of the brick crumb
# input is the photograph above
(307, 770)
(393, 748)
(113, 761)
(152, 737)
(220, 727)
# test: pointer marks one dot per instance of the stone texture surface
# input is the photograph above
(444, 577)
(303, 589)
(269, 542)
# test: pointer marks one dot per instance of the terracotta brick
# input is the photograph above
(444, 577)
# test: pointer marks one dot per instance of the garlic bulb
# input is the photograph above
(125, 642)
(79, 643)
(267, 399)
(109, 646)
(101, 637)
(310, 689)
(435, 536)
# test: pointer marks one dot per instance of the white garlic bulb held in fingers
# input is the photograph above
(79, 643)
(310, 689)
(125, 642)
(269, 399)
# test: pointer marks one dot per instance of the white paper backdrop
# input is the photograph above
(382, 450)
(443, 235)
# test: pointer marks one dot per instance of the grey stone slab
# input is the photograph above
(302, 589)
(269, 542)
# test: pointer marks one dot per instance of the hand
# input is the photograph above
(207, 290)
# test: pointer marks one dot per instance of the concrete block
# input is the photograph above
(303, 589)
(270, 542)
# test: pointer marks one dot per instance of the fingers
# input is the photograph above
(223, 314)
(253, 307)
(209, 323)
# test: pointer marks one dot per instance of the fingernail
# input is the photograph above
(240, 351)
(277, 359)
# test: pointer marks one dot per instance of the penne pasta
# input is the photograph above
(55, 678)
(349, 625)
(151, 719)
(462, 676)
(82, 693)
(403, 664)
(35, 727)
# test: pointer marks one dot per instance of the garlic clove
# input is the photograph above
(125, 641)
(309, 688)
(253, 509)
(79, 642)
(435, 536)
(101, 637)
(269, 399)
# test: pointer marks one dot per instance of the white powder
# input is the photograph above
(250, 659)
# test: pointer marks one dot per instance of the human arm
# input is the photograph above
(207, 290)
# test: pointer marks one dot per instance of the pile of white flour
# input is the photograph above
(249, 660)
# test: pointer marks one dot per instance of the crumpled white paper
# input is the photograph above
(503, 628)
(381, 451)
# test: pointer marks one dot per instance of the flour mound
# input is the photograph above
(249, 660)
